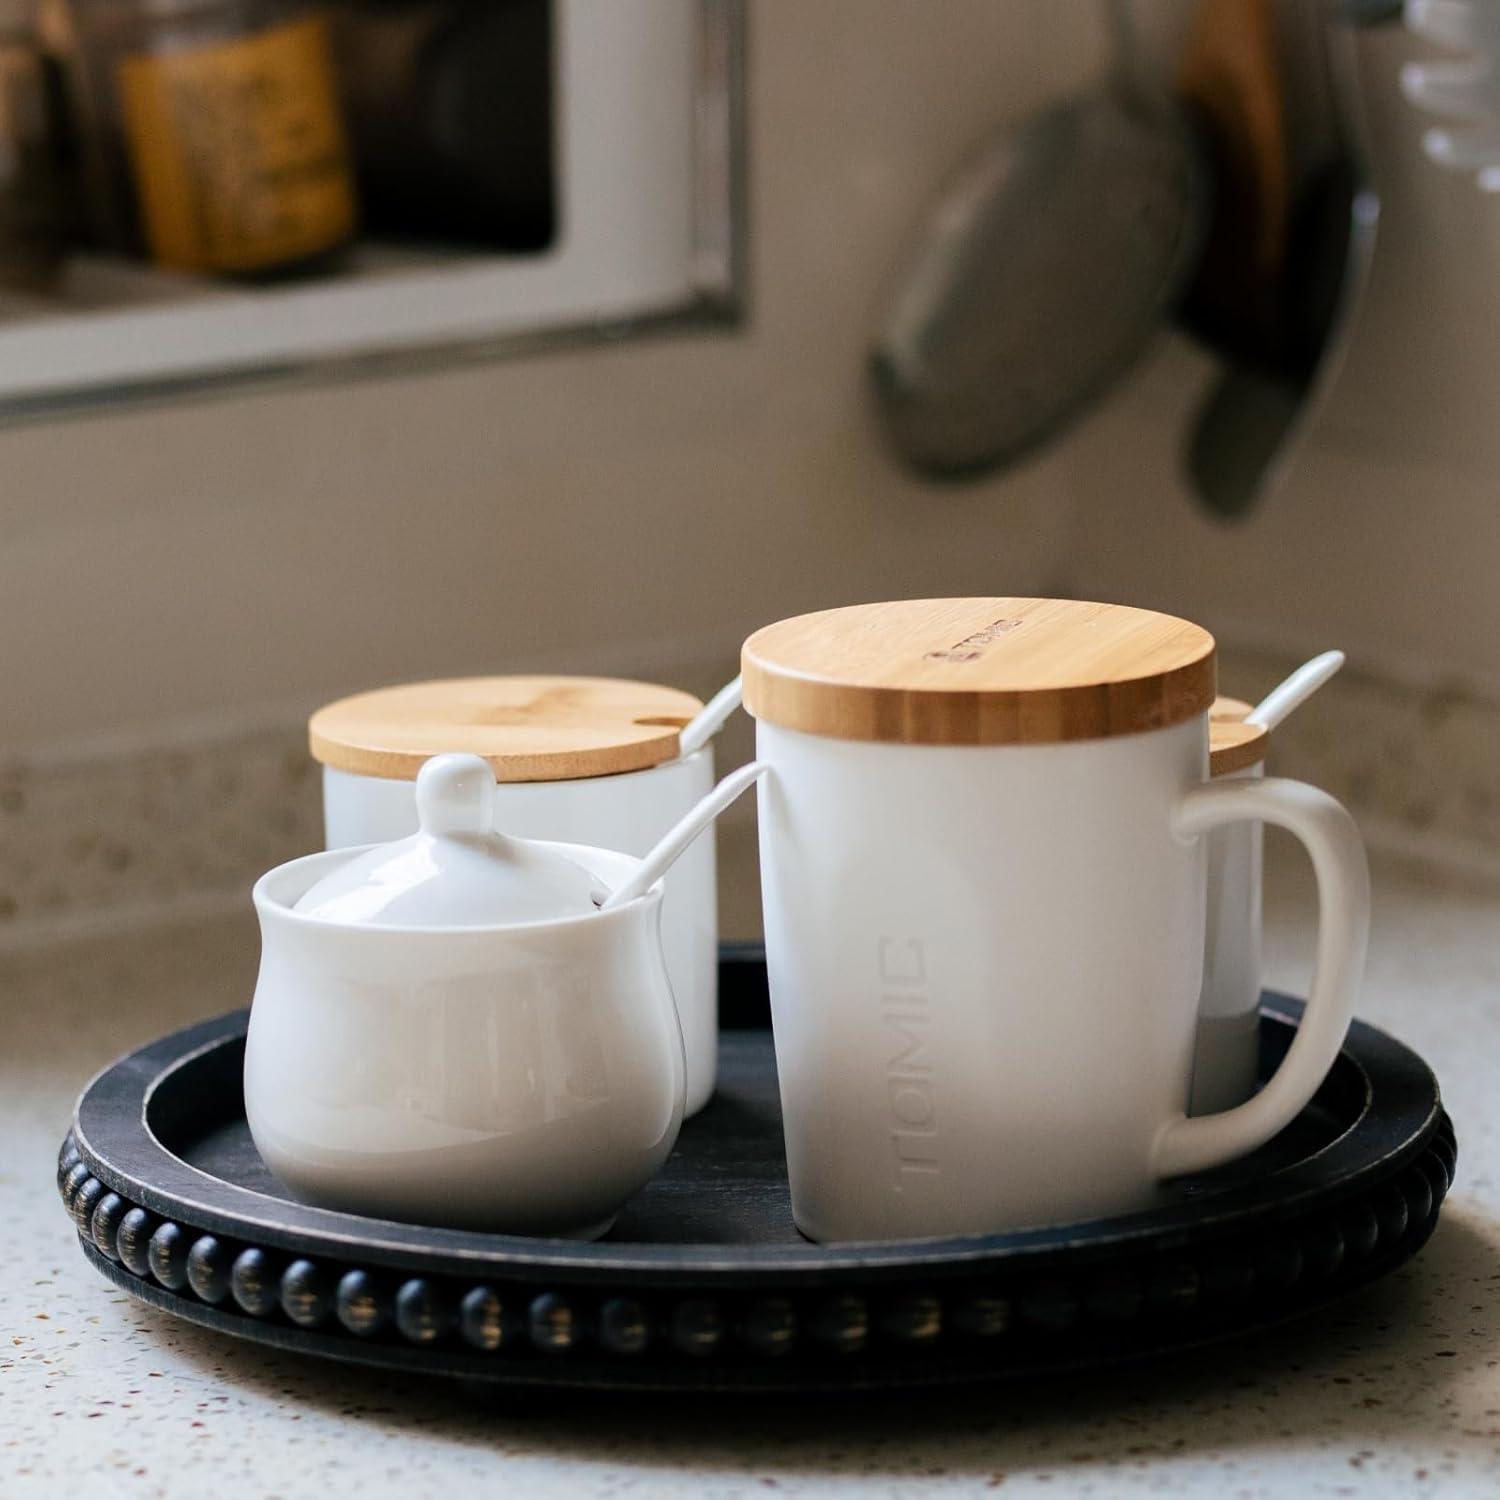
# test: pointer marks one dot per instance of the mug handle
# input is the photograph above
(1329, 834)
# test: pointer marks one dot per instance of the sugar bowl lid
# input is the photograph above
(456, 871)
(526, 728)
(1233, 744)
(992, 671)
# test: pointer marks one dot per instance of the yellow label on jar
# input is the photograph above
(238, 150)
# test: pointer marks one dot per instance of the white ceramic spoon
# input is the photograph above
(671, 845)
(710, 719)
(1295, 691)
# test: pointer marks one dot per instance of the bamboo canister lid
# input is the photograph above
(979, 671)
(1233, 744)
(527, 728)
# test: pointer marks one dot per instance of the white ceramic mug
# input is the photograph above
(524, 1078)
(985, 965)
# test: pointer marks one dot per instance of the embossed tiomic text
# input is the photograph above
(906, 1027)
(971, 648)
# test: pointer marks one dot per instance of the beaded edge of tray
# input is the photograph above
(958, 1323)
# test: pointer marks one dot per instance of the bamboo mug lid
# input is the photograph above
(979, 672)
(1233, 744)
(527, 728)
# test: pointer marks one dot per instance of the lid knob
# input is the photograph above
(456, 871)
(456, 796)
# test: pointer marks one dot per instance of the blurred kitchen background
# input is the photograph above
(357, 343)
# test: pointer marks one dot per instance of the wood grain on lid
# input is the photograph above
(1233, 744)
(979, 671)
(528, 728)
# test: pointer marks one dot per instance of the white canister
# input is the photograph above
(580, 760)
(1227, 1055)
(983, 870)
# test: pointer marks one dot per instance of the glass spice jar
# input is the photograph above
(211, 131)
(33, 165)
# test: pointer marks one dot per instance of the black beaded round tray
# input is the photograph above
(704, 1283)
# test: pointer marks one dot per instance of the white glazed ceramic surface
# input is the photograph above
(525, 1079)
(628, 812)
(458, 869)
(985, 967)
(1228, 1047)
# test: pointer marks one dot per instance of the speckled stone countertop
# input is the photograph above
(1395, 1393)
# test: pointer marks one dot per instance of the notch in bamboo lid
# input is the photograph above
(991, 671)
(1233, 744)
(527, 728)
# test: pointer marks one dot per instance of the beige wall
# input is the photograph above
(638, 508)
(1385, 538)
(632, 508)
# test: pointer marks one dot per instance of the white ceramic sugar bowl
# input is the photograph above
(450, 1030)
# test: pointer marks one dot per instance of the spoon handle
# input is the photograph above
(708, 723)
(675, 841)
(1295, 691)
